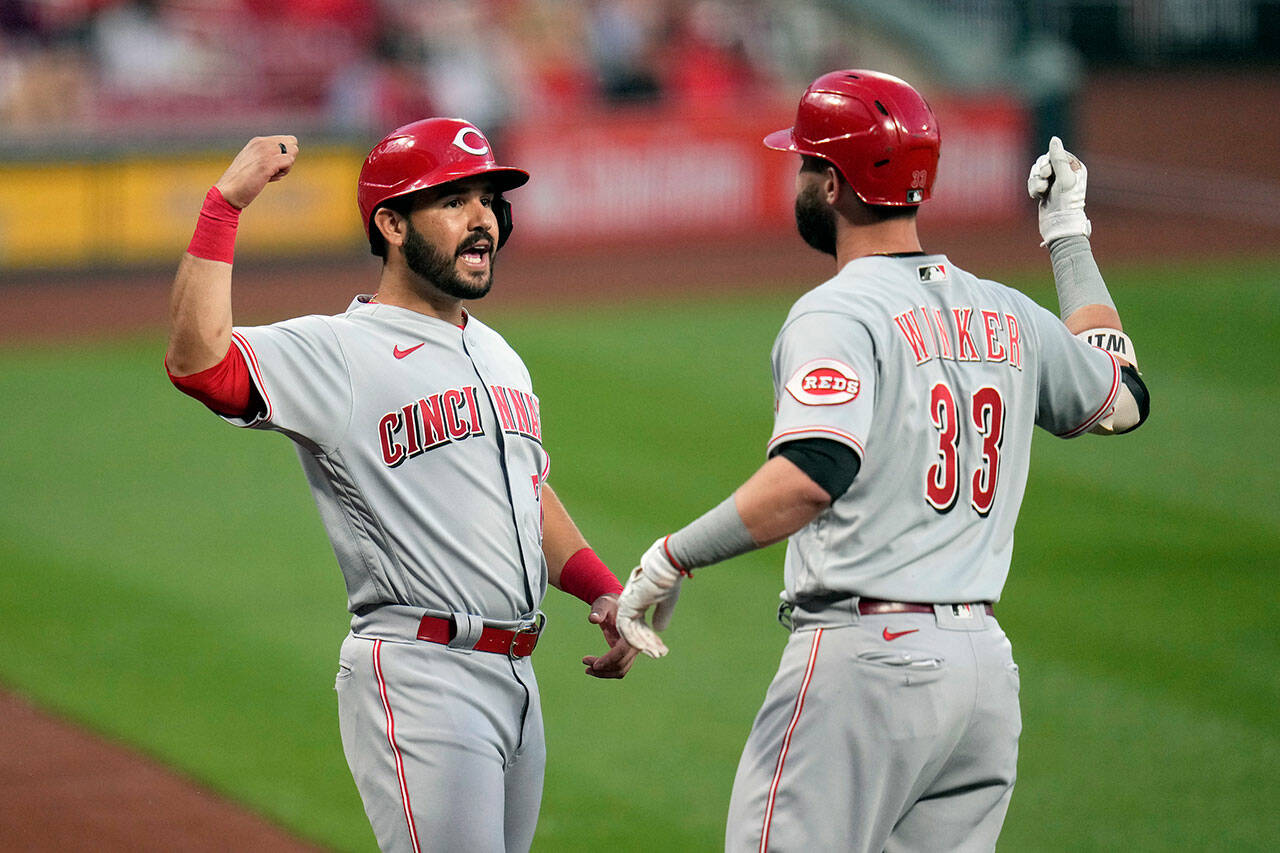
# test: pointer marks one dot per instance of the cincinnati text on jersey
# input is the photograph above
(950, 334)
(453, 415)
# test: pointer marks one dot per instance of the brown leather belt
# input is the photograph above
(516, 644)
(870, 606)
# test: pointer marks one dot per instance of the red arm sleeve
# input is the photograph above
(225, 387)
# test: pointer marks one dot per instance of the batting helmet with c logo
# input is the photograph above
(426, 154)
(877, 130)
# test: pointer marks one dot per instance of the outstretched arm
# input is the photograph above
(200, 301)
(776, 501)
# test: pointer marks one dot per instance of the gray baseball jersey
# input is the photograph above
(897, 729)
(422, 445)
(934, 377)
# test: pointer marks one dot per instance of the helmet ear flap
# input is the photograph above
(502, 211)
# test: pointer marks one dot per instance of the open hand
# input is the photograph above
(616, 662)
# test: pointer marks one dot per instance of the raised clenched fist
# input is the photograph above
(263, 160)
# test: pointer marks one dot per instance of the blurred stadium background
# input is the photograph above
(143, 546)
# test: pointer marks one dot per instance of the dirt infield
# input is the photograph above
(64, 789)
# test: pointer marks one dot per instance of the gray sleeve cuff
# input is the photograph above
(1076, 276)
(711, 538)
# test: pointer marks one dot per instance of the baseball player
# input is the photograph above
(906, 390)
(421, 438)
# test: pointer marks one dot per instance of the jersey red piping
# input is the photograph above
(1111, 398)
(247, 348)
(395, 750)
(801, 430)
(786, 740)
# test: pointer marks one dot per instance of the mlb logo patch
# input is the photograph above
(932, 272)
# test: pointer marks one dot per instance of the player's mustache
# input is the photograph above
(478, 236)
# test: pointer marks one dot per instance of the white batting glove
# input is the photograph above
(654, 583)
(1057, 181)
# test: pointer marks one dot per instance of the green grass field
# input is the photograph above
(166, 580)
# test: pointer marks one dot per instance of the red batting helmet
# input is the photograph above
(425, 154)
(877, 130)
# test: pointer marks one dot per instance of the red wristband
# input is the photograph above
(215, 235)
(586, 576)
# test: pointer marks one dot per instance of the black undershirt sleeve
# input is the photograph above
(828, 463)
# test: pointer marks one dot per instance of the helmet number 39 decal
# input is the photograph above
(824, 382)
(481, 146)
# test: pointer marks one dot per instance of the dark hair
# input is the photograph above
(881, 212)
(401, 204)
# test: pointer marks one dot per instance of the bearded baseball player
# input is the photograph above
(421, 438)
(906, 390)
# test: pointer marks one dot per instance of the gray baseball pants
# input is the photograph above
(890, 732)
(445, 744)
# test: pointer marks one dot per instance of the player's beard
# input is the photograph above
(816, 220)
(441, 270)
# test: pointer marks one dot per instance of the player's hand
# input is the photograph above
(616, 662)
(654, 583)
(263, 160)
(1057, 181)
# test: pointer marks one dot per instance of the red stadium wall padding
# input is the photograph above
(637, 176)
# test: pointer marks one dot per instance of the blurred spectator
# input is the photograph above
(360, 66)
(137, 50)
(707, 66)
(623, 40)
(44, 83)
(45, 90)
(298, 46)
(376, 93)
(554, 74)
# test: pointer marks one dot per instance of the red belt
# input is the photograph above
(870, 606)
(517, 644)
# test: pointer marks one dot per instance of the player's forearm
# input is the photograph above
(1092, 317)
(199, 315)
(571, 564)
(778, 500)
(200, 303)
(561, 538)
(1083, 297)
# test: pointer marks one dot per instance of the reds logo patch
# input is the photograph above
(824, 382)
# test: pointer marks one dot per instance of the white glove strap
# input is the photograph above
(1113, 341)
(1054, 225)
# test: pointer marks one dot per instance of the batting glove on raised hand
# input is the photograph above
(654, 583)
(1057, 181)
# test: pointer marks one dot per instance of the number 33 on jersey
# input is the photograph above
(934, 378)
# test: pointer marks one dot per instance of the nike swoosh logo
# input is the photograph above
(401, 353)
(893, 635)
